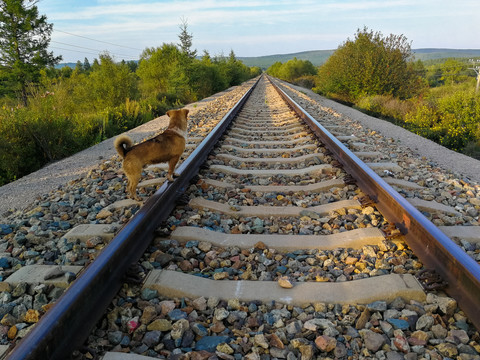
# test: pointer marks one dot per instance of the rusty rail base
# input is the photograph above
(67, 325)
(433, 247)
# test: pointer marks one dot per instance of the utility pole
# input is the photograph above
(476, 68)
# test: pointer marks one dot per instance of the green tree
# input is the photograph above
(434, 76)
(371, 64)
(206, 78)
(95, 64)
(274, 69)
(233, 70)
(186, 40)
(86, 65)
(132, 65)
(79, 66)
(24, 39)
(451, 69)
(66, 72)
(292, 69)
(111, 84)
(161, 72)
(255, 71)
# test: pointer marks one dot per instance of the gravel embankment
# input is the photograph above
(449, 160)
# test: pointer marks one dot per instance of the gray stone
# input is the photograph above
(294, 327)
(393, 355)
(115, 337)
(377, 306)
(373, 341)
(425, 322)
(152, 338)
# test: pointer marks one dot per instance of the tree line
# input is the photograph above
(48, 113)
(379, 75)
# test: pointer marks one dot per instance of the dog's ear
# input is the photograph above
(169, 113)
(185, 111)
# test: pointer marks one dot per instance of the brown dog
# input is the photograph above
(165, 147)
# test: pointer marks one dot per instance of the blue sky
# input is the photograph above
(85, 28)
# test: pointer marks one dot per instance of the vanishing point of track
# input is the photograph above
(259, 179)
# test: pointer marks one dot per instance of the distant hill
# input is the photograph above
(318, 57)
(61, 65)
(434, 54)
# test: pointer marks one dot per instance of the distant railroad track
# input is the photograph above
(269, 207)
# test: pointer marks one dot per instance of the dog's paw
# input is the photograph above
(169, 178)
(134, 197)
(175, 175)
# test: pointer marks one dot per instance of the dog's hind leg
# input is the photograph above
(132, 186)
(171, 167)
(133, 170)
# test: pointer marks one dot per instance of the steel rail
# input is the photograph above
(68, 323)
(433, 247)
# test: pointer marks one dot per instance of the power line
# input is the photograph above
(81, 52)
(85, 52)
(105, 42)
(82, 47)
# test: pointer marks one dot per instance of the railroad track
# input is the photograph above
(271, 219)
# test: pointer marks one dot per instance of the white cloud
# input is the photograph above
(255, 26)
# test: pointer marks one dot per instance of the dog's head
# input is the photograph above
(178, 118)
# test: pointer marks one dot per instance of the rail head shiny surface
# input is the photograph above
(65, 327)
(433, 247)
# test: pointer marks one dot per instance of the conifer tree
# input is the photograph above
(86, 65)
(186, 41)
(24, 40)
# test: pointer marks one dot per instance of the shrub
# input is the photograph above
(460, 116)
(34, 136)
(472, 149)
(423, 117)
(306, 81)
(385, 106)
(292, 70)
(370, 65)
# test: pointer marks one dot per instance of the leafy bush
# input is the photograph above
(206, 78)
(451, 120)
(370, 65)
(160, 72)
(460, 117)
(306, 81)
(110, 84)
(34, 136)
(122, 118)
(232, 70)
(424, 120)
(385, 106)
(292, 70)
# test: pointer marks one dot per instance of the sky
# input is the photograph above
(124, 28)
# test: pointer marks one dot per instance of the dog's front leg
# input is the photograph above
(171, 167)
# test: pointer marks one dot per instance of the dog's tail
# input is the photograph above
(122, 144)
